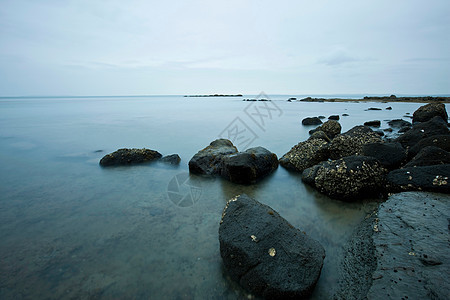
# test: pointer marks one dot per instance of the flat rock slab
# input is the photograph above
(265, 254)
(411, 239)
(127, 156)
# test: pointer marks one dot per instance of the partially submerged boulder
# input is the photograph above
(127, 156)
(330, 127)
(209, 160)
(390, 155)
(348, 178)
(425, 178)
(265, 254)
(249, 166)
(352, 141)
(429, 111)
(172, 159)
(375, 123)
(399, 123)
(306, 154)
(311, 121)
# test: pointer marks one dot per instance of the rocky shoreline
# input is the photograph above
(385, 99)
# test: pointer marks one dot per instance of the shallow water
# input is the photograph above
(70, 229)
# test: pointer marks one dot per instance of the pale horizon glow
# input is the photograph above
(137, 47)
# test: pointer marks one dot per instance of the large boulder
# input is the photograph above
(249, 166)
(348, 178)
(311, 121)
(429, 156)
(390, 155)
(209, 160)
(330, 127)
(127, 156)
(306, 154)
(441, 141)
(429, 111)
(352, 141)
(427, 178)
(435, 126)
(265, 254)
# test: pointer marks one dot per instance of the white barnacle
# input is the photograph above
(272, 252)
(254, 238)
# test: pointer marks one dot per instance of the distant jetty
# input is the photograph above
(215, 95)
(392, 98)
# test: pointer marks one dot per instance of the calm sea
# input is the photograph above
(71, 229)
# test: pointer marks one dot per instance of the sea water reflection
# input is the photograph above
(70, 229)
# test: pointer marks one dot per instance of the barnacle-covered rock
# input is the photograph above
(352, 142)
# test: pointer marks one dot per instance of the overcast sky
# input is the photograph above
(89, 47)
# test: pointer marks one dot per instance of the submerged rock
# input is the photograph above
(307, 154)
(331, 128)
(173, 159)
(209, 160)
(375, 123)
(249, 166)
(334, 117)
(390, 155)
(399, 123)
(348, 178)
(127, 156)
(352, 141)
(311, 121)
(265, 254)
(435, 126)
(433, 178)
(429, 111)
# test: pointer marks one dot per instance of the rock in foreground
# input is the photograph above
(249, 166)
(266, 254)
(129, 156)
(429, 111)
(433, 178)
(348, 178)
(352, 142)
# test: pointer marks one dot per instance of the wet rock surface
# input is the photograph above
(348, 178)
(306, 154)
(400, 251)
(391, 155)
(441, 141)
(249, 166)
(429, 156)
(375, 123)
(429, 111)
(265, 254)
(411, 246)
(127, 156)
(331, 128)
(435, 126)
(352, 141)
(399, 123)
(209, 160)
(426, 178)
(333, 117)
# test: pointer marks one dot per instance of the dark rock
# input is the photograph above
(209, 160)
(348, 178)
(390, 155)
(265, 254)
(321, 117)
(404, 129)
(429, 156)
(399, 123)
(249, 166)
(429, 111)
(352, 141)
(426, 178)
(307, 154)
(374, 108)
(410, 238)
(126, 156)
(379, 132)
(435, 126)
(388, 130)
(441, 141)
(375, 123)
(388, 108)
(334, 117)
(173, 159)
(345, 115)
(331, 128)
(311, 121)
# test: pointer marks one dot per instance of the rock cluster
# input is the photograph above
(221, 157)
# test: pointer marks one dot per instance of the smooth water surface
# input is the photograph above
(71, 229)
